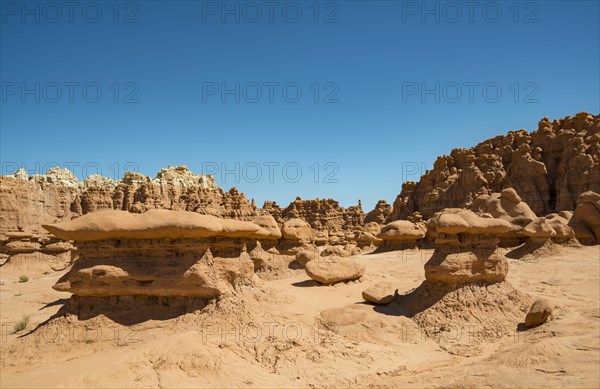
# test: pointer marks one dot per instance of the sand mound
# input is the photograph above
(461, 318)
(534, 250)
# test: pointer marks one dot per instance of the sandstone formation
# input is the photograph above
(297, 230)
(268, 223)
(21, 248)
(401, 234)
(552, 227)
(321, 214)
(334, 269)
(366, 240)
(306, 255)
(465, 283)
(588, 212)
(159, 253)
(466, 248)
(506, 205)
(538, 313)
(27, 202)
(549, 168)
(380, 213)
(380, 293)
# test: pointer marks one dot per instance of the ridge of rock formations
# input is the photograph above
(321, 214)
(27, 202)
(549, 168)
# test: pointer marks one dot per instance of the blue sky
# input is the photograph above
(266, 90)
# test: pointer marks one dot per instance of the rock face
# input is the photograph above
(549, 168)
(334, 269)
(157, 253)
(588, 212)
(466, 249)
(538, 313)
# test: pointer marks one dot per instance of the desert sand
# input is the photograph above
(291, 332)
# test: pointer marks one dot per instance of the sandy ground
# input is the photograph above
(290, 332)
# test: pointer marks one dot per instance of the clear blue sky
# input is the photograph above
(369, 61)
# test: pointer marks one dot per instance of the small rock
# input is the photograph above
(538, 313)
(381, 293)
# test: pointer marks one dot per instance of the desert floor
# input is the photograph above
(288, 332)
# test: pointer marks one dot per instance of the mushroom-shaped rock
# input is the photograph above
(401, 230)
(538, 313)
(158, 253)
(153, 224)
(334, 269)
(588, 211)
(268, 223)
(297, 230)
(363, 238)
(506, 205)
(560, 225)
(380, 293)
(466, 248)
(539, 229)
(454, 221)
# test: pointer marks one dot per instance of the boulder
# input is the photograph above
(401, 230)
(297, 230)
(381, 293)
(372, 228)
(538, 313)
(334, 269)
(268, 223)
